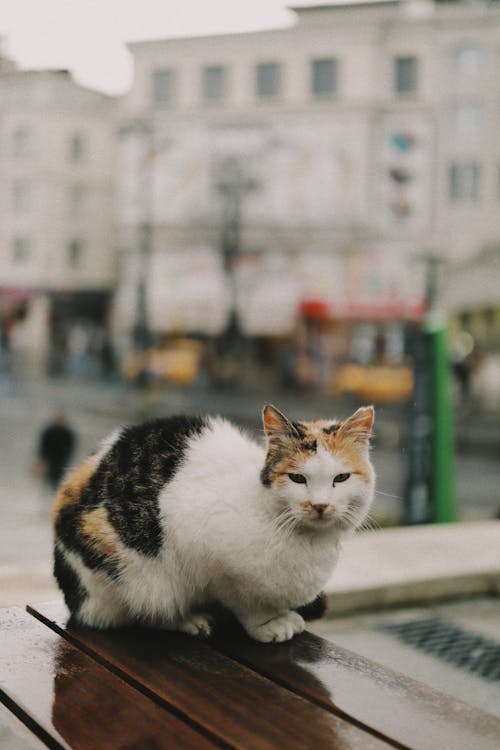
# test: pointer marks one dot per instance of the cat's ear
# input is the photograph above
(358, 427)
(275, 423)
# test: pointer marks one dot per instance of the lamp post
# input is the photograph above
(140, 137)
(232, 185)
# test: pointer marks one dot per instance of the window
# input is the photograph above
(464, 181)
(214, 83)
(469, 60)
(74, 253)
(21, 143)
(405, 75)
(467, 118)
(324, 77)
(162, 85)
(267, 81)
(76, 147)
(21, 196)
(21, 249)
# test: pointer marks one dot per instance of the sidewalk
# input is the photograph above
(396, 566)
(416, 565)
(476, 433)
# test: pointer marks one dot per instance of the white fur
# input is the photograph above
(229, 539)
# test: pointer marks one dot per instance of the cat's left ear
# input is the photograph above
(358, 427)
(275, 423)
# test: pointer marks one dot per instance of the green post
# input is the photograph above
(443, 500)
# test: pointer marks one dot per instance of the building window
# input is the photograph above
(214, 83)
(405, 75)
(469, 60)
(464, 181)
(21, 249)
(74, 253)
(324, 77)
(267, 81)
(467, 118)
(76, 147)
(21, 143)
(162, 87)
(21, 196)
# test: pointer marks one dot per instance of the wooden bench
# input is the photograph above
(141, 689)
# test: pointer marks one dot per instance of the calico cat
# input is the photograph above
(176, 514)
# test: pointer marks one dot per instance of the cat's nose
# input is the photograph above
(320, 508)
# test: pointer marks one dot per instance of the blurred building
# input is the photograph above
(57, 265)
(340, 152)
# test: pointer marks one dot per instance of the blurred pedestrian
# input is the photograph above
(56, 446)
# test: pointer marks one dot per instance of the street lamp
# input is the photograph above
(140, 134)
(232, 185)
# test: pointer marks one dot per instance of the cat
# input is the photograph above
(179, 513)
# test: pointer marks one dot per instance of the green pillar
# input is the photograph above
(443, 500)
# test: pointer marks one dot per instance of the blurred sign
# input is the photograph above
(187, 292)
(405, 172)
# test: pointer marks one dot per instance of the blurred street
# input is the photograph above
(94, 410)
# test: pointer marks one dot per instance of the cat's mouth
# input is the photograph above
(318, 517)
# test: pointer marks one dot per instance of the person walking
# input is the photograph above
(56, 446)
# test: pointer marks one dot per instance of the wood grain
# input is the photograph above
(392, 704)
(243, 708)
(71, 701)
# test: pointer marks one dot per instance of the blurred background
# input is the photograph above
(210, 207)
(288, 204)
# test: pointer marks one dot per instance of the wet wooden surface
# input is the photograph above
(70, 687)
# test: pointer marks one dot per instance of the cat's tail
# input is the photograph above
(315, 609)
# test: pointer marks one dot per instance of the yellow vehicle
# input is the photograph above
(381, 384)
(178, 362)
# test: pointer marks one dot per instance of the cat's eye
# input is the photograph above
(298, 478)
(341, 478)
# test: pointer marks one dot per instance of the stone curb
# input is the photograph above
(416, 565)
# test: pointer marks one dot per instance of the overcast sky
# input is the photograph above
(88, 36)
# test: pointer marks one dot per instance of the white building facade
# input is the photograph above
(358, 141)
(56, 210)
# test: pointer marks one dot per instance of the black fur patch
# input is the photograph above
(312, 445)
(315, 609)
(127, 483)
(134, 471)
(333, 428)
(69, 582)
(299, 431)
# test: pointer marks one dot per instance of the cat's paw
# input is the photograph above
(197, 624)
(279, 629)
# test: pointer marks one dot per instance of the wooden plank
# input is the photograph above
(245, 709)
(71, 701)
(16, 736)
(398, 707)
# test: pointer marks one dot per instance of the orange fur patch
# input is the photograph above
(95, 526)
(70, 490)
(342, 445)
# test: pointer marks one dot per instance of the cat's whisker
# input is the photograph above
(386, 494)
(285, 523)
(370, 523)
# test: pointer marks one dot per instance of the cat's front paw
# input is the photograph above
(278, 629)
(197, 624)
